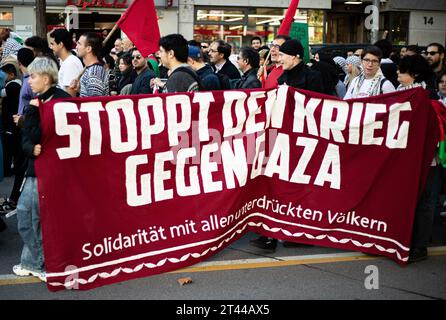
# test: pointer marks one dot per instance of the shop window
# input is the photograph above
(220, 16)
(6, 16)
(397, 25)
(212, 24)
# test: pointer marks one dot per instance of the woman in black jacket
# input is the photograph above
(128, 75)
(43, 80)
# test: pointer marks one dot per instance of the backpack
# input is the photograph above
(384, 79)
(193, 75)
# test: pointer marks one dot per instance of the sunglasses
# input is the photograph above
(204, 47)
(136, 57)
(431, 53)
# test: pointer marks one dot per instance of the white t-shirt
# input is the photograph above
(363, 91)
(70, 69)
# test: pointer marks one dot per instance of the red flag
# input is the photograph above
(289, 18)
(140, 24)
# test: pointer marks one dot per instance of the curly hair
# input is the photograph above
(417, 67)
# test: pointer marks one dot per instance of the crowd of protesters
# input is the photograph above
(38, 70)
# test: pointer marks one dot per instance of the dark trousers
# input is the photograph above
(424, 215)
(13, 154)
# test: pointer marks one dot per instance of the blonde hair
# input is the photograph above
(45, 66)
(355, 72)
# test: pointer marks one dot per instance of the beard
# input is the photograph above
(434, 65)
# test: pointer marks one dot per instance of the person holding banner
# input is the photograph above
(352, 68)
(296, 73)
(414, 71)
(275, 71)
(43, 80)
(371, 82)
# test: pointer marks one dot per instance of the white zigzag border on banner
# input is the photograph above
(105, 275)
(206, 242)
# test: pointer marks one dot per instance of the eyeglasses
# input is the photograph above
(373, 62)
(431, 53)
(212, 50)
(136, 57)
(276, 46)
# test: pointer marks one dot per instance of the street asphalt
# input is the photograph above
(242, 272)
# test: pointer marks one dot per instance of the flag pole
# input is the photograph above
(265, 63)
(110, 34)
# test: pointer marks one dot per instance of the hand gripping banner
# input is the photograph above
(134, 186)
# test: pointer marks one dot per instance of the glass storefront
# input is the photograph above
(397, 25)
(238, 25)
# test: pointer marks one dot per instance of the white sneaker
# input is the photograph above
(42, 276)
(23, 272)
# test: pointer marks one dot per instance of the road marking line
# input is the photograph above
(289, 261)
(208, 266)
(269, 263)
(10, 279)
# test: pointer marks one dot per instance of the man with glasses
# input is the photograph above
(219, 53)
(145, 74)
(371, 82)
(275, 71)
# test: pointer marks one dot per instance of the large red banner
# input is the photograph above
(139, 185)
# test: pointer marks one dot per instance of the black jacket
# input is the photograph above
(209, 79)
(142, 82)
(230, 70)
(302, 77)
(32, 133)
(250, 80)
(10, 106)
(127, 77)
(329, 75)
